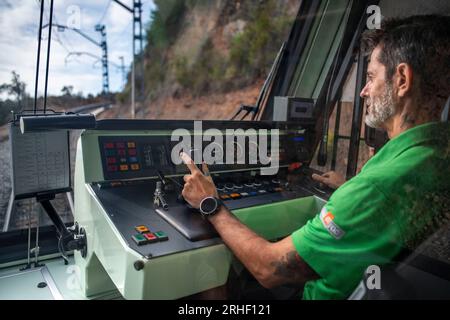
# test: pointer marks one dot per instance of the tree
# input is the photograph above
(15, 88)
(67, 90)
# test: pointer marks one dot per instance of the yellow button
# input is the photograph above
(123, 167)
(224, 196)
(142, 229)
(131, 145)
(135, 166)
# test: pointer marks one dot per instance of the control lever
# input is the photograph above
(158, 199)
(175, 182)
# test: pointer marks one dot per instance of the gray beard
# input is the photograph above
(381, 109)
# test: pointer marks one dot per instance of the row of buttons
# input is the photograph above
(238, 195)
(124, 167)
(145, 236)
(119, 145)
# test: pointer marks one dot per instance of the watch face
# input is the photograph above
(208, 205)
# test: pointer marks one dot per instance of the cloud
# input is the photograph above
(19, 22)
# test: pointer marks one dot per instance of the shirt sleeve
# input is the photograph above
(355, 229)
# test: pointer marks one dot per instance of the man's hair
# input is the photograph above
(423, 42)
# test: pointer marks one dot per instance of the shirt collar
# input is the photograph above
(439, 132)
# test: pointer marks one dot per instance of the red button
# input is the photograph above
(120, 145)
(109, 145)
(112, 168)
(111, 160)
(150, 237)
(131, 152)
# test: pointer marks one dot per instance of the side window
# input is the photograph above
(339, 131)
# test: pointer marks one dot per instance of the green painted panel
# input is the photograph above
(280, 219)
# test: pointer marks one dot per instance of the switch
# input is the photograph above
(135, 166)
(109, 145)
(123, 167)
(151, 237)
(112, 168)
(162, 236)
(131, 145)
(111, 160)
(110, 153)
(139, 239)
(142, 229)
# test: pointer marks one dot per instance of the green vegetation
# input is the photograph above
(253, 51)
(248, 57)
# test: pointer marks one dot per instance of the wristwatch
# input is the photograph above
(210, 205)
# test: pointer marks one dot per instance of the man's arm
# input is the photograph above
(272, 264)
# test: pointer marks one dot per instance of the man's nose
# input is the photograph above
(364, 92)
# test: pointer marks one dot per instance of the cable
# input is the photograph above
(104, 12)
(38, 56)
(48, 55)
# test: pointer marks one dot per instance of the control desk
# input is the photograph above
(152, 251)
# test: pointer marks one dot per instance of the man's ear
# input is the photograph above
(403, 79)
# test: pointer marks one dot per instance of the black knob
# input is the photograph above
(139, 265)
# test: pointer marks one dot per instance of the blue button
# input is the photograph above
(133, 159)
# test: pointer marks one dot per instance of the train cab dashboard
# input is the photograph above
(124, 168)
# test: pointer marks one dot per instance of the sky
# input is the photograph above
(19, 21)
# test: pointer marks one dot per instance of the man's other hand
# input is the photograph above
(331, 178)
(197, 185)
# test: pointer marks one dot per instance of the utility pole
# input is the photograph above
(102, 45)
(136, 11)
(122, 69)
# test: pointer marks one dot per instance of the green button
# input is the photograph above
(139, 239)
(162, 236)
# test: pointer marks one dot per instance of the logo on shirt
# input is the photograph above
(327, 220)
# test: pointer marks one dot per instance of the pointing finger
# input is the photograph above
(188, 162)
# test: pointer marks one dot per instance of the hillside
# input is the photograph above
(205, 58)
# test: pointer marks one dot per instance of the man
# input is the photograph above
(397, 197)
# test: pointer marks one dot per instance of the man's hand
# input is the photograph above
(197, 185)
(331, 178)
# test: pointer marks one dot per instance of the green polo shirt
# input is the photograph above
(393, 203)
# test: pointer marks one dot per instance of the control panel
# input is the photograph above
(130, 157)
(128, 183)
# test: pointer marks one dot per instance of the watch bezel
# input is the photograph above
(207, 213)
